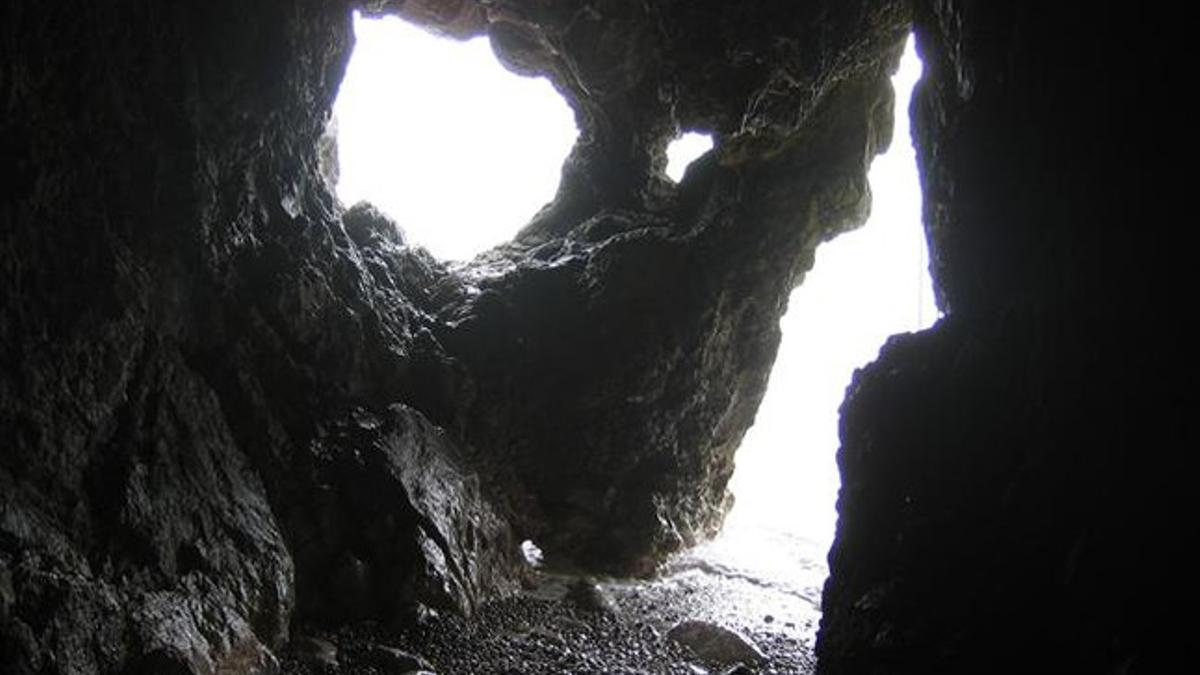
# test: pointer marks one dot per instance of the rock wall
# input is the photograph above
(211, 392)
(230, 406)
(1009, 498)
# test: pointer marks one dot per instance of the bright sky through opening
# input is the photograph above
(684, 150)
(458, 150)
(462, 153)
(865, 286)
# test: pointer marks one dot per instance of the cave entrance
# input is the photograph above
(865, 286)
(458, 150)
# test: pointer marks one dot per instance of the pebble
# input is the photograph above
(716, 643)
(394, 661)
(533, 635)
(317, 651)
(590, 597)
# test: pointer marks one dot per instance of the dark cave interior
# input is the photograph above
(233, 409)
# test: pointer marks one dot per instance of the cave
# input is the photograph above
(250, 429)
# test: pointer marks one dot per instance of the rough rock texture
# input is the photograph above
(204, 371)
(617, 395)
(1011, 489)
(229, 406)
(619, 346)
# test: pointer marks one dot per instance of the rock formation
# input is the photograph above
(229, 404)
(1007, 503)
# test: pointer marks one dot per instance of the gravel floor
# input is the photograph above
(564, 624)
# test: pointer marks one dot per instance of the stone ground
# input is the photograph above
(564, 624)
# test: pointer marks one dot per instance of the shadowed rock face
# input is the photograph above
(229, 405)
(1009, 500)
(619, 346)
(616, 368)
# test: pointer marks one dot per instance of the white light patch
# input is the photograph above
(866, 285)
(684, 150)
(531, 553)
(441, 137)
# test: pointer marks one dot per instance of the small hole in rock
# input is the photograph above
(684, 150)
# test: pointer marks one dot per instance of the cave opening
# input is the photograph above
(435, 132)
(423, 119)
(865, 286)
